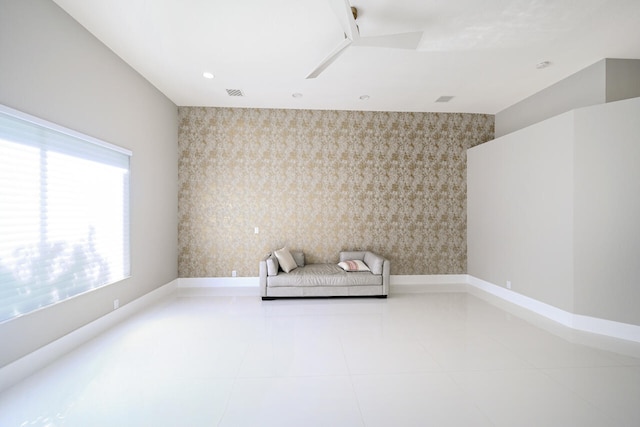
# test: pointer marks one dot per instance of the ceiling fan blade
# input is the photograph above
(330, 58)
(343, 12)
(396, 41)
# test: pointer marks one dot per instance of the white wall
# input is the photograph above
(584, 88)
(519, 211)
(51, 67)
(607, 198)
(623, 79)
(608, 80)
(554, 208)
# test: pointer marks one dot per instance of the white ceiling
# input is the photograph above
(482, 52)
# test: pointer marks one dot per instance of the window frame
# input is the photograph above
(37, 124)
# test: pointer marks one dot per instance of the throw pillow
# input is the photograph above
(286, 261)
(353, 265)
(374, 262)
(272, 266)
(298, 257)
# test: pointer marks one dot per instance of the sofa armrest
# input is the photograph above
(377, 263)
(386, 276)
(263, 275)
(374, 261)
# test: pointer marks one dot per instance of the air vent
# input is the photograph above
(444, 99)
(235, 92)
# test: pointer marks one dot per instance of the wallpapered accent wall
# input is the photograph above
(323, 181)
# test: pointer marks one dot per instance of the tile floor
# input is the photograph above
(423, 359)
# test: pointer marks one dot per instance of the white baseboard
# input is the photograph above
(38, 359)
(249, 286)
(219, 286)
(218, 282)
(574, 321)
(543, 309)
(430, 279)
(428, 283)
(610, 328)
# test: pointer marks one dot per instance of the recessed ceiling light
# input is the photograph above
(297, 95)
(364, 97)
(543, 64)
(207, 75)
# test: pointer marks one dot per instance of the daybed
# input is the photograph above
(280, 279)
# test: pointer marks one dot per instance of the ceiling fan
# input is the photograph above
(347, 16)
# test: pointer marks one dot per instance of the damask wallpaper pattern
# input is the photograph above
(323, 181)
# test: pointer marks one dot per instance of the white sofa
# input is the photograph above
(325, 280)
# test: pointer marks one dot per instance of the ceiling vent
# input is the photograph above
(235, 92)
(444, 99)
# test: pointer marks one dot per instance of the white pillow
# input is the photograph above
(353, 265)
(285, 259)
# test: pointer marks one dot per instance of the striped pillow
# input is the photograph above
(353, 265)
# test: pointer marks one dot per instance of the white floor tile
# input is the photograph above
(544, 350)
(427, 399)
(528, 398)
(615, 390)
(387, 356)
(286, 357)
(468, 351)
(439, 359)
(303, 401)
(158, 403)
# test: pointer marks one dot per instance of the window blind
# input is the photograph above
(64, 213)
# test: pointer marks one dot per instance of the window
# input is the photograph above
(64, 213)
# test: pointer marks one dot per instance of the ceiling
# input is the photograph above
(482, 52)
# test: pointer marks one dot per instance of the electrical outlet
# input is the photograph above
(256, 230)
(116, 304)
(234, 273)
(508, 284)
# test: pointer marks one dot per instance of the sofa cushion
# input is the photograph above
(353, 265)
(323, 275)
(286, 261)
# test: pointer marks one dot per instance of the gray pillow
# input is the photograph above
(272, 266)
(374, 262)
(298, 256)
